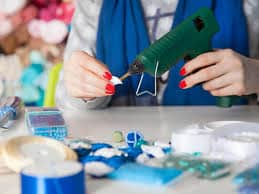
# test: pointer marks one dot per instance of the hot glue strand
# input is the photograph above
(146, 91)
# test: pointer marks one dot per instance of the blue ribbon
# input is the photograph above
(61, 185)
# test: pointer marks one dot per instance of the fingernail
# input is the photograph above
(182, 84)
(182, 71)
(110, 89)
(107, 75)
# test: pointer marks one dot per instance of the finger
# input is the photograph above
(203, 75)
(219, 82)
(230, 90)
(202, 60)
(85, 91)
(90, 63)
(89, 78)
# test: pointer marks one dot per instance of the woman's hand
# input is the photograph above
(222, 73)
(87, 78)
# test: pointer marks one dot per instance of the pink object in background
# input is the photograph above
(34, 27)
(65, 12)
(44, 3)
(29, 13)
(16, 20)
(54, 32)
(45, 15)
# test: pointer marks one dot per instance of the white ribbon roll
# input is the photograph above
(23, 151)
(238, 139)
(235, 138)
(192, 139)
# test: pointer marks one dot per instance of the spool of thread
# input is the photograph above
(20, 152)
(192, 139)
(198, 137)
(58, 178)
(238, 139)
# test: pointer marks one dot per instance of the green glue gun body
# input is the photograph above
(186, 41)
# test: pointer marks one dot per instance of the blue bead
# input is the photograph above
(133, 137)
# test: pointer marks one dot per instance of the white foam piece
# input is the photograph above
(116, 81)
(108, 152)
(97, 168)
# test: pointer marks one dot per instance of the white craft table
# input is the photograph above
(154, 123)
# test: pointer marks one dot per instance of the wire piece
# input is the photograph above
(138, 93)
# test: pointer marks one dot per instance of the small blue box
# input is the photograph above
(49, 123)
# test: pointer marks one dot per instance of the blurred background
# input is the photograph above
(33, 35)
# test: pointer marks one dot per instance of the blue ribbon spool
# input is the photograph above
(60, 178)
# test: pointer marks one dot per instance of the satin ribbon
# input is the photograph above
(33, 184)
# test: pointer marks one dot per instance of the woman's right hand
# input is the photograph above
(87, 78)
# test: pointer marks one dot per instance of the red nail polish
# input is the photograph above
(107, 75)
(110, 89)
(182, 71)
(109, 93)
(182, 84)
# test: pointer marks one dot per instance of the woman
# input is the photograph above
(113, 32)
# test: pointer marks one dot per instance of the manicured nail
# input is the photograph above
(182, 84)
(109, 89)
(107, 75)
(182, 71)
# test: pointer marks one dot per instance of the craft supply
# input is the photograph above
(56, 178)
(103, 161)
(11, 109)
(247, 177)
(249, 189)
(116, 81)
(20, 152)
(47, 124)
(139, 173)
(162, 144)
(53, 77)
(206, 168)
(192, 139)
(219, 137)
(154, 151)
(238, 139)
(81, 146)
(131, 153)
(142, 142)
(215, 125)
(133, 137)
(117, 137)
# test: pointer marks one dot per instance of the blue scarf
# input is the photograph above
(122, 35)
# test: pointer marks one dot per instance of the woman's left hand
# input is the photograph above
(222, 73)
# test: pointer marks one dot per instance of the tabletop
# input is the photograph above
(156, 123)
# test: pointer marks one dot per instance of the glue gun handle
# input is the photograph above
(225, 101)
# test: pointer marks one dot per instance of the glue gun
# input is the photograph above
(186, 41)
